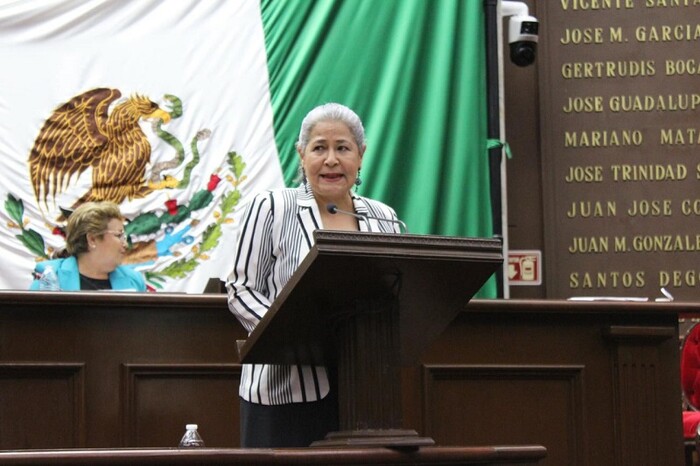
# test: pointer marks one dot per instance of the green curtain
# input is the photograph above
(414, 70)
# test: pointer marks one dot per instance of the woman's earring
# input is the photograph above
(304, 180)
(358, 180)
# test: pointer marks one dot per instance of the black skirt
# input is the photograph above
(289, 425)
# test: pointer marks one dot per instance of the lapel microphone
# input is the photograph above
(332, 208)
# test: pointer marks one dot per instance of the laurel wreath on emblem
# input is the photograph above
(151, 234)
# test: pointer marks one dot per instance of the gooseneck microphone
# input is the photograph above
(332, 208)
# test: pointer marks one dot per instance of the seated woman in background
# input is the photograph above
(95, 248)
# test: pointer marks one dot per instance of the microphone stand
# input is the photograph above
(333, 209)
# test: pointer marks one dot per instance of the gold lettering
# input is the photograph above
(582, 36)
(664, 33)
(620, 244)
(688, 66)
(690, 207)
(670, 3)
(608, 69)
(592, 209)
(616, 35)
(583, 105)
(573, 280)
(649, 172)
(603, 138)
(679, 137)
(589, 245)
(666, 243)
(596, 4)
(653, 208)
(585, 174)
(649, 103)
(679, 278)
(611, 279)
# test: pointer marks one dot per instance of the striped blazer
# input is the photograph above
(276, 235)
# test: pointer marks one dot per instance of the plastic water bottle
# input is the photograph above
(49, 280)
(191, 439)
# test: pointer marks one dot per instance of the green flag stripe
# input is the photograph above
(414, 70)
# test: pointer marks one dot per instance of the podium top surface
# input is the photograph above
(433, 278)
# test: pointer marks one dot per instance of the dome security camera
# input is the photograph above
(522, 37)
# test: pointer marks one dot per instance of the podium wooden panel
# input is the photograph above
(431, 277)
(365, 302)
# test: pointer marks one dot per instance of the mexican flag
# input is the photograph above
(235, 78)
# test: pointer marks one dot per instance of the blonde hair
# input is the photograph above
(89, 218)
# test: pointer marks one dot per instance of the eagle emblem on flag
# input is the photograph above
(97, 130)
(82, 134)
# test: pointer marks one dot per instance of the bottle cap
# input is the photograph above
(191, 426)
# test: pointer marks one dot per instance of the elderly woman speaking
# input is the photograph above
(293, 406)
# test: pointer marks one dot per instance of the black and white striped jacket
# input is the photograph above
(276, 235)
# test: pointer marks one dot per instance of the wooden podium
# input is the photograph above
(368, 303)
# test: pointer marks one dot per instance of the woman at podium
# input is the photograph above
(293, 406)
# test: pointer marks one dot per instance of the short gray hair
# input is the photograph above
(331, 112)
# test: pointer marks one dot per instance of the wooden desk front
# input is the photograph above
(594, 383)
(428, 456)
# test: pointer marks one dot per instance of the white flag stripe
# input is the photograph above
(209, 54)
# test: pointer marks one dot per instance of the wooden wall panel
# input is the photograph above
(481, 404)
(638, 363)
(109, 331)
(594, 383)
(629, 380)
(42, 404)
(159, 400)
